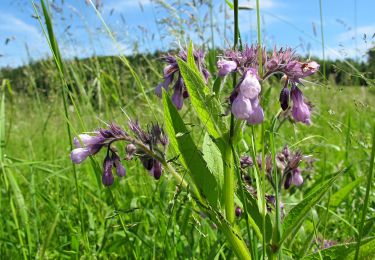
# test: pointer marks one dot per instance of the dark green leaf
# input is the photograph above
(190, 156)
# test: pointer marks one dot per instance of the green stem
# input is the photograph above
(260, 56)
(322, 35)
(368, 188)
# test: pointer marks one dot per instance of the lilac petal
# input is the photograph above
(226, 67)
(250, 87)
(78, 155)
(257, 115)
(241, 107)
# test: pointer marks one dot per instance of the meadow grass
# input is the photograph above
(40, 214)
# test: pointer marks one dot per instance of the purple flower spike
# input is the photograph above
(226, 67)
(300, 111)
(84, 138)
(241, 107)
(78, 155)
(284, 98)
(107, 177)
(297, 178)
(257, 115)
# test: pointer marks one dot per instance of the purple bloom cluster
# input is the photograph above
(156, 141)
(245, 100)
(172, 69)
(286, 163)
(151, 141)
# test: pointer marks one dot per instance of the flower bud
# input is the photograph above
(120, 169)
(130, 151)
(156, 170)
(284, 98)
(238, 211)
(107, 177)
(246, 161)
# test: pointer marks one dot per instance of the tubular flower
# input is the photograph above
(245, 104)
(226, 67)
(300, 110)
(172, 69)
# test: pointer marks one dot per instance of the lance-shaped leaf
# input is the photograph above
(345, 251)
(297, 214)
(206, 105)
(190, 156)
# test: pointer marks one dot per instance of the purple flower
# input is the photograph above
(107, 177)
(297, 177)
(156, 169)
(177, 97)
(238, 212)
(130, 150)
(257, 114)
(78, 155)
(249, 86)
(120, 169)
(226, 67)
(246, 161)
(180, 91)
(284, 98)
(241, 107)
(300, 111)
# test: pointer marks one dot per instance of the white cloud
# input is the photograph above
(264, 4)
(123, 5)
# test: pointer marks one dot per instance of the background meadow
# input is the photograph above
(52, 209)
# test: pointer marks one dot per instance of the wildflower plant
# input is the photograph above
(226, 188)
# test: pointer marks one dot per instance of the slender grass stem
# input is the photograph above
(322, 36)
(367, 196)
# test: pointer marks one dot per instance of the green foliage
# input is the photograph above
(188, 152)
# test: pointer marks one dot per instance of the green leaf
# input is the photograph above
(217, 85)
(297, 214)
(256, 219)
(207, 107)
(190, 157)
(345, 251)
(214, 160)
(340, 195)
(230, 4)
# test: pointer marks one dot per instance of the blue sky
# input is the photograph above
(295, 23)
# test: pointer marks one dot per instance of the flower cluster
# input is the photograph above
(284, 61)
(144, 145)
(180, 91)
(286, 163)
